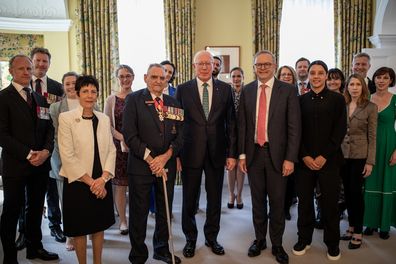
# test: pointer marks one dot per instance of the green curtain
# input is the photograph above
(98, 42)
(353, 25)
(180, 36)
(266, 25)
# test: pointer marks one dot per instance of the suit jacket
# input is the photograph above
(360, 140)
(55, 110)
(23, 129)
(142, 129)
(215, 136)
(371, 86)
(284, 123)
(76, 144)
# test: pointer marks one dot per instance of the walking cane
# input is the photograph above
(168, 219)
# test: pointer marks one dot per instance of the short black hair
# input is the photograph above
(336, 73)
(218, 57)
(319, 62)
(237, 69)
(167, 62)
(85, 80)
(40, 50)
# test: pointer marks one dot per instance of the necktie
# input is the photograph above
(303, 89)
(38, 86)
(28, 96)
(262, 115)
(205, 100)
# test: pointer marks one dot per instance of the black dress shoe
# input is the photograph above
(280, 255)
(58, 234)
(216, 247)
(384, 235)
(256, 247)
(166, 257)
(189, 249)
(230, 205)
(41, 254)
(21, 241)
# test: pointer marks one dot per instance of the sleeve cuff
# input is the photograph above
(146, 153)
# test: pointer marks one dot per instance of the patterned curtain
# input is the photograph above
(180, 36)
(353, 25)
(98, 42)
(266, 25)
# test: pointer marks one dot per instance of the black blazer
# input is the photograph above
(215, 136)
(54, 89)
(142, 129)
(22, 130)
(371, 86)
(284, 123)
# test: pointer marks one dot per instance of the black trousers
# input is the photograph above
(54, 212)
(35, 185)
(191, 178)
(140, 187)
(265, 180)
(353, 180)
(329, 183)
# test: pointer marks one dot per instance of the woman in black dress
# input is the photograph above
(88, 161)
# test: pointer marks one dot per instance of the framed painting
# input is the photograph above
(229, 56)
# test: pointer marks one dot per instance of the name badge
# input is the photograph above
(43, 113)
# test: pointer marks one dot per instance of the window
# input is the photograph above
(141, 32)
(307, 30)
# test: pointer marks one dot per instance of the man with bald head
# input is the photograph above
(27, 139)
(209, 145)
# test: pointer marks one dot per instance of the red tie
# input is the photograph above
(38, 86)
(261, 120)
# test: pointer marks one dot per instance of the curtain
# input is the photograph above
(353, 25)
(180, 36)
(266, 25)
(98, 43)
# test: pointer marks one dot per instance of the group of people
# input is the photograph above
(293, 132)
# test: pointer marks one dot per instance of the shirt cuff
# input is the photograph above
(242, 156)
(29, 155)
(146, 153)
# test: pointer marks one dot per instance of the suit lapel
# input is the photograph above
(24, 107)
(151, 107)
(252, 102)
(274, 99)
(357, 111)
(215, 98)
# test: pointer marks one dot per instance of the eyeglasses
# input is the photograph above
(202, 64)
(263, 65)
(128, 76)
(286, 74)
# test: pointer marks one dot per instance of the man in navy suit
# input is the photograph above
(52, 91)
(153, 132)
(27, 139)
(269, 132)
(209, 145)
(361, 65)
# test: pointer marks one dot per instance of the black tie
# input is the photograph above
(38, 86)
(28, 96)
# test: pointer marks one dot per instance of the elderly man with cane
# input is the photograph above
(152, 129)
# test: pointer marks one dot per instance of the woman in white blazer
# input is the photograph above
(88, 161)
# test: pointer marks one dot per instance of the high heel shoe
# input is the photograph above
(347, 236)
(357, 243)
(239, 205)
(369, 231)
(384, 235)
(231, 205)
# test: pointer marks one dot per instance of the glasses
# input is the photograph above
(128, 76)
(286, 74)
(202, 64)
(263, 65)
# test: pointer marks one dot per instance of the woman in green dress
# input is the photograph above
(380, 188)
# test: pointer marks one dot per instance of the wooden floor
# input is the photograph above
(236, 235)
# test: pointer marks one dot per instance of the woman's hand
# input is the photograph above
(98, 188)
(368, 168)
(392, 160)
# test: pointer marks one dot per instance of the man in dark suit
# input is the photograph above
(301, 67)
(361, 65)
(209, 144)
(52, 91)
(153, 132)
(27, 139)
(269, 134)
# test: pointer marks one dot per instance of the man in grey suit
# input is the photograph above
(269, 137)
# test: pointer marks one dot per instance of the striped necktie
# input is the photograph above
(205, 100)
(29, 99)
